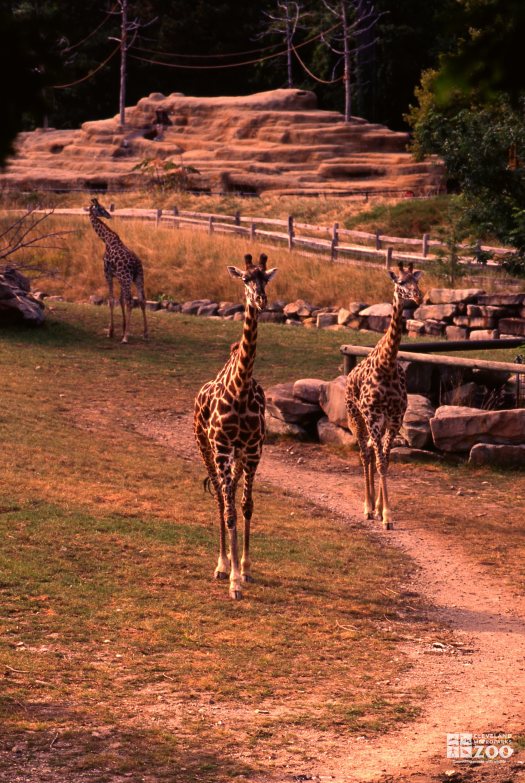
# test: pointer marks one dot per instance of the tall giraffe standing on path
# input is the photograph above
(229, 427)
(122, 263)
(376, 398)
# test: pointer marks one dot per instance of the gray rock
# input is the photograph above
(330, 433)
(453, 295)
(460, 428)
(415, 328)
(416, 423)
(356, 307)
(383, 309)
(293, 322)
(17, 305)
(229, 308)
(376, 317)
(434, 328)
(281, 403)
(484, 334)
(326, 319)
(192, 307)
(208, 310)
(513, 326)
(456, 332)
(152, 304)
(173, 307)
(269, 317)
(344, 316)
(436, 312)
(491, 454)
(275, 426)
(332, 401)
(502, 300)
(94, 299)
(240, 316)
(308, 390)
(275, 307)
(298, 309)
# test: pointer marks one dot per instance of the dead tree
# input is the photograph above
(284, 23)
(355, 19)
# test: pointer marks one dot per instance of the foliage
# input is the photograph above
(166, 175)
(483, 147)
(452, 234)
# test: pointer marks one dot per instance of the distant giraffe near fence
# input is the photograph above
(376, 398)
(122, 263)
(229, 427)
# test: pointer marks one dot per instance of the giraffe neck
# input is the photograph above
(387, 348)
(104, 232)
(242, 368)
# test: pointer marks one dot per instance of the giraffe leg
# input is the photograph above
(358, 427)
(247, 510)
(382, 468)
(111, 302)
(142, 303)
(223, 563)
(126, 304)
(383, 509)
(224, 465)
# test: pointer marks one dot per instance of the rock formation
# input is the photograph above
(276, 141)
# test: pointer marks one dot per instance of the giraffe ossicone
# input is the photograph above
(376, 398)
(123, 264)
(229, 428)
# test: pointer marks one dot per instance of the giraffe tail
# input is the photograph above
(207, 485)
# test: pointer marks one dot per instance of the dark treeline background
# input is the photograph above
(409, 38)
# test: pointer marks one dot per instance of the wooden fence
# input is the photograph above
(337, 243)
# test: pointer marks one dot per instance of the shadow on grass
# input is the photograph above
(57, 741)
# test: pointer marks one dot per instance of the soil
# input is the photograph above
(475, 680)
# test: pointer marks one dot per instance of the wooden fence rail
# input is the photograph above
(338, 244)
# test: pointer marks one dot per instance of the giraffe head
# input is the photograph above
(406, 286)
(255, 278)
(98, 210)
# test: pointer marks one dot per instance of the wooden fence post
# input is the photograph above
(112, 207)
(237, 218)
(158, 217)
(366, 196)
(210, 224)
(388, 257)
(252, 232)
(290, 232)
(378, 240)
(335, 241)
(176, 223)
(426, 238)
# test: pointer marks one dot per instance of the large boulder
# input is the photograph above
(17, 305)
(332, 401)
(491, 454)
(275, 426)
(281, 403)
(453, 295)
(513, 326)
(436, 312)
(308, 390)
(330, 433)
(459, 428)
(377, 317)
(416, 423)
(419, 376)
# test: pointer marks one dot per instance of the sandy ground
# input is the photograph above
(476, 683)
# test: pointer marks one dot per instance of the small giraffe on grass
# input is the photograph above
(229, 427)
(122, 263)
(376, 398)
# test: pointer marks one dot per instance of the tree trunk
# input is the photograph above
(347, 63)
(123, 53)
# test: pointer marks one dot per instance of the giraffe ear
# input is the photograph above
(417, 274)
(270, 273)
(235, 272)
(392, 275)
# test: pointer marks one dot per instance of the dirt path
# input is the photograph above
(483, 691)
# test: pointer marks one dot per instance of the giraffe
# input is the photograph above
(122, 263)
(376, 398)
(229, 428)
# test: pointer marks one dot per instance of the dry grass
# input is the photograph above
(120, 652)
(190, 264)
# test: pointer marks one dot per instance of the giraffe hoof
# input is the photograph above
(124, 340)
(220, 575)
(235, 594)
(388, 525)
(247, 578)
